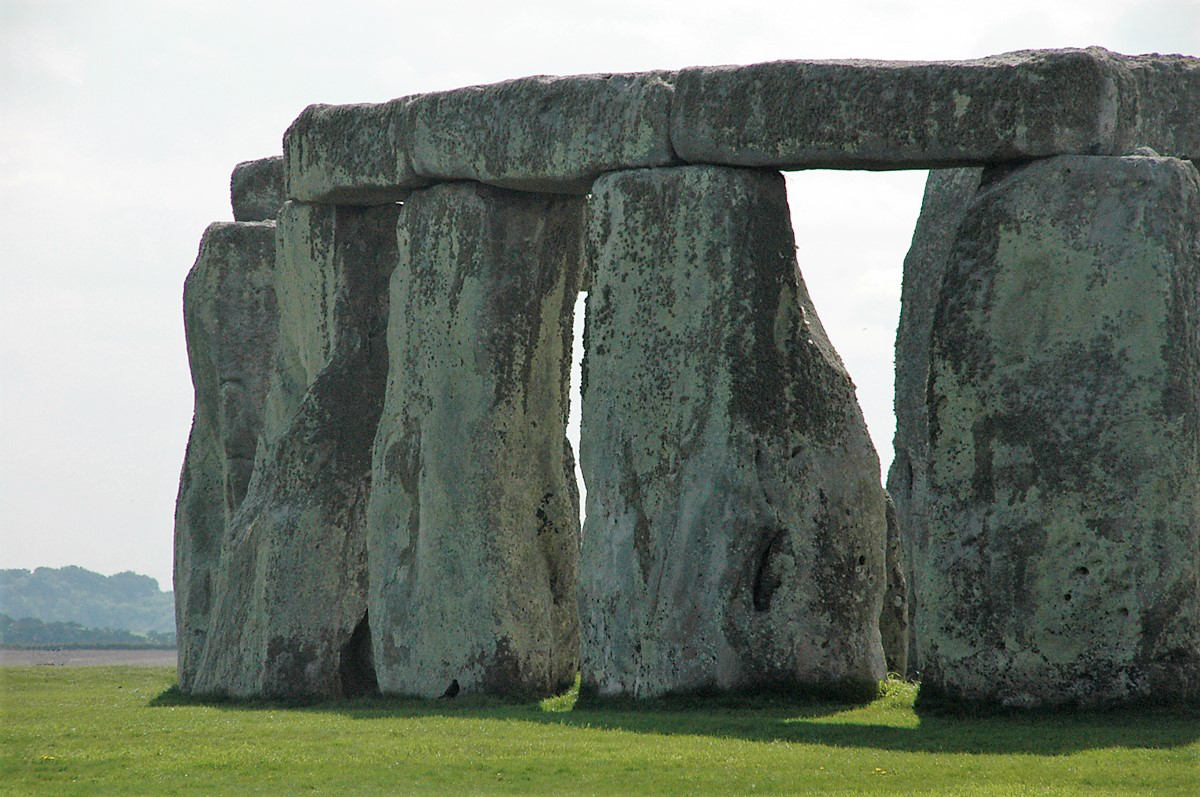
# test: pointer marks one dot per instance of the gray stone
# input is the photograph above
(947, 194)
(230, 319)
(1168, 113)
(473, 520)
(256, 189)
(289, 609)
(1059, 564)
(735, 531)
(893, 620)
(543, 133)
(349, 154)
(904, 115)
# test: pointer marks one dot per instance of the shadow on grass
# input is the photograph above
(806, 719)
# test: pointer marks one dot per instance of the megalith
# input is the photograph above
(947, 194)
(230, 321)
(735, 529)
(473, 519)
(290, 602)
(256, 189)
(1060, 559)
(894, 620)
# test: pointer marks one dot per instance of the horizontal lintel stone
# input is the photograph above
(349, 154)
(543, 133)
(897, 115)
(256, 189)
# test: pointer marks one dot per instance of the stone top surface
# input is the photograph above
(557, 134)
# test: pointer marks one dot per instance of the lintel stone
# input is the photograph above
(256, 189)
(349, 154)
(552, 134)
(904, 115)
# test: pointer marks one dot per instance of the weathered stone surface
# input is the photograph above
(256, 189)
(735, 527)
(893, 620)
(349, 154)
(289, 614)
(1061, 559)
(231, 321)
(947, 194)
(474, 514)
(903, 115)
(1168, 111)
(554, 134)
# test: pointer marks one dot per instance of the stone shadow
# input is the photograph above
(803, 721)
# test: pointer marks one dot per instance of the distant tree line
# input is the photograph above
(30, 633)
(126, 602)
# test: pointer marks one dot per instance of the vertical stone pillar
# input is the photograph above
(1061, 558)
(947, 194)
(735, 526)
(231, 322)
(473, 521)
(289, 613)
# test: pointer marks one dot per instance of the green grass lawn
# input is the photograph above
(115, 730)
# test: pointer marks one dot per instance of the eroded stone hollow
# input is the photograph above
(378, 494)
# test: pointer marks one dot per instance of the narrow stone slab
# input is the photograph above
(349, 154)
(474, 513)
(735, 531)
(904, 115)
(289, 607)
(256, 189)
(231, 321)
(1060, 559)
(893, 620)
(948, 192)
(554, 134)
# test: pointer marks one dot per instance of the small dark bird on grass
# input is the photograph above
(452, 689)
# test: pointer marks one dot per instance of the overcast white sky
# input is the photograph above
(120, 122)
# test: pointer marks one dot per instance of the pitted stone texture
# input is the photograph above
(903, 115)
(893, 620)
(256, 189)
(1061, 563)
(474, 513)
(554, 134)
(349, 154)
(292, 589)
(231, 320)
(735, 527)
(307, 285)
(1168, 113)
(948, 192)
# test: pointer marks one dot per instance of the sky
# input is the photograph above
(121, 121)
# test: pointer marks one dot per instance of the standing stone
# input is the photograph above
(231, 324)
(735, 526)
(1061, 559)
(947, 194)
(473, 521)
(893, 620)
(289, 616)
(256, 189)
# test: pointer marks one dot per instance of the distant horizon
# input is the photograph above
(97, 572)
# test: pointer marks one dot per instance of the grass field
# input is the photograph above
(120, 730)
